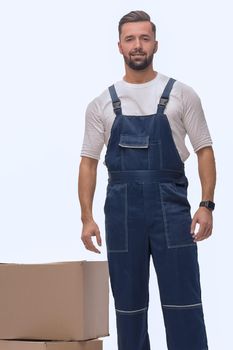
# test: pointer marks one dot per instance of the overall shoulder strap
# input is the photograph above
(165, 96)
(115, 100)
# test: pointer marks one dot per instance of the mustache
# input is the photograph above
(137, 51)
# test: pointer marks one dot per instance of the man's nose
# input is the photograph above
(138, 43)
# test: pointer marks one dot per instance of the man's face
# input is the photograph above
(137, 44)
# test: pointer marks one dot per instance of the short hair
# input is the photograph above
(135, 16)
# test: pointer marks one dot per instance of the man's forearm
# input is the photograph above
(207, 172)
(86, 187)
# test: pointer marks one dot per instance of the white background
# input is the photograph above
(55, 57)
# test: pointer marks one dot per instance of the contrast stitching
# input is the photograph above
(182, 306)
(117, 251)
(164, 215)
(166, 226)
(133, 146)
(125, 229)
(126, 217)
(182, 245)
(148, 156)
(122, 150)
(131, 311)
(160, 155)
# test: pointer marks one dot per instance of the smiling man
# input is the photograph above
(143, 120)
(136, 58)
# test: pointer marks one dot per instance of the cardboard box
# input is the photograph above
(50, 345)
(54, 301)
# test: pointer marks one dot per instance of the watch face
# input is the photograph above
(211, 205)
(208, 204)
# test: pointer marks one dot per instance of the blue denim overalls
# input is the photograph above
(147, 213)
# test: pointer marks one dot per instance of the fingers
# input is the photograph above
(204, 219)
(193, 225)
(90, 230)
(89, 245)
(98, 238)
(205, 230)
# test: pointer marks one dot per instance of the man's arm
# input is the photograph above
(86, 190)
(207, 174)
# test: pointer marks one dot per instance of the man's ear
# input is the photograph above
(156, 46)
(120, 48)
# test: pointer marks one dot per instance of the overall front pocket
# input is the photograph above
(176, 214)
(134, 152)
(115, 209)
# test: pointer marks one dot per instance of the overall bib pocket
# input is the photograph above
(115, 209)
(134, 152)
(176, 214)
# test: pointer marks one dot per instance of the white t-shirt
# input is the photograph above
(184, 112)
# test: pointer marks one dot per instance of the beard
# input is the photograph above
(141, 64)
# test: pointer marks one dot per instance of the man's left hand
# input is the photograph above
(204, 218)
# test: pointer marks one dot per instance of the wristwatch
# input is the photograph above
(208, 204)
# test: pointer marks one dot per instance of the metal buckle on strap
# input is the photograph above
(117, 105)
(163, 101)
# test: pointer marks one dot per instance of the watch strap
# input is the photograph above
(208, 204)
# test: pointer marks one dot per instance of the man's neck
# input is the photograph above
(139, 77)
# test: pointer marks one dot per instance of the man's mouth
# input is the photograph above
(137, 54)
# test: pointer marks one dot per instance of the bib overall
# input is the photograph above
(147, 213)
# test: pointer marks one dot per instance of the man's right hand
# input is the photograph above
(90, 229)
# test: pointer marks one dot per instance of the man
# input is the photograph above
(143, 120)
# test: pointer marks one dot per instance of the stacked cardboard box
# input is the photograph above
(54, 306)
(95, 344)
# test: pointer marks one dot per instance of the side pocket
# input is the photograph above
(176, 214)
(115, 209)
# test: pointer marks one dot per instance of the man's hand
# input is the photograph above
(204, 218)
(90, 228)
(207, 174)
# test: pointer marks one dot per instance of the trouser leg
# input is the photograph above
(129, 270)
(175, 259)
(180, 293)
(178, 277)
(132, 330)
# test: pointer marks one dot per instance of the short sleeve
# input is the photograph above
(194, 119)
(93, 140)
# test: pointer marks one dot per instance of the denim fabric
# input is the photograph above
(147, 214)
